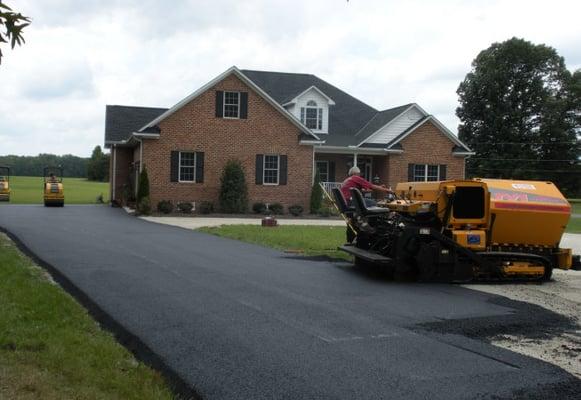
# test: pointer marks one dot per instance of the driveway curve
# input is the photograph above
(239, 321)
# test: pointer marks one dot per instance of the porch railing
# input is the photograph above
(328, 186)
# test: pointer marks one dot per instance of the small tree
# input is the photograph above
(316, 195)
(143, 188)
(98, 165)
(233, 189)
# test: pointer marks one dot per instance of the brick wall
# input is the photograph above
(195, 128)
(426, 145)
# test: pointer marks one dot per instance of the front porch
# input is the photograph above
(333, 168)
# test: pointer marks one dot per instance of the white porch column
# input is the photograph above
(354, 159)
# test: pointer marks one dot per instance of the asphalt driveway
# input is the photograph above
(239, 321)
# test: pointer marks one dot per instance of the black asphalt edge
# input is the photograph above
(179, 387)
(529, 320)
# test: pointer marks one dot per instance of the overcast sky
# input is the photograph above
(81, 55)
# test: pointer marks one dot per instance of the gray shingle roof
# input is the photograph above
(346, 117)
(122, 121)
(380, 119)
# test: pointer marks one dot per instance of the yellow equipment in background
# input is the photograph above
(53, 190)
(4, 183)
(462, 230)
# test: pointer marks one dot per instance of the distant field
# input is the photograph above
(28, 190)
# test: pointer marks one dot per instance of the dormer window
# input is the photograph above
(312, 115)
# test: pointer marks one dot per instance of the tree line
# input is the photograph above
(95, 168)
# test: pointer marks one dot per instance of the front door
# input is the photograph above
(364, 165)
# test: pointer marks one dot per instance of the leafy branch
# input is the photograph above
(13, 23)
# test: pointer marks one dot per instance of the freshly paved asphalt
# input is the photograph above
(238, 321)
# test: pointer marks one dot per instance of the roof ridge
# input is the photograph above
(121, 105)
(367, 123)
(402, 106)
(277, 72)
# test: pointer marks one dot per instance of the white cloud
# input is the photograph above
(80, 56)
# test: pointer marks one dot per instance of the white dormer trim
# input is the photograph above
(377, 132)
(295, 99)
(233, 70)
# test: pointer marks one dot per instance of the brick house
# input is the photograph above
(282, 127)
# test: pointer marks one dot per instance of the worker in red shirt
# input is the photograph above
(356, 181)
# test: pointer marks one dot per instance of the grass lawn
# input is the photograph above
(310, 240)
(574, 226)
(28, 190)
(50, 348)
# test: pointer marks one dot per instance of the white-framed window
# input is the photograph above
(323, 169)
(271, 169)
(231, 105)
(426, 173)
(312, 116)
(187, 163)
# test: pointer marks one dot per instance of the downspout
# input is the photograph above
(114, 173)
(140, 164)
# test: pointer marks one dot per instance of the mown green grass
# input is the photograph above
(50, 348)
(574, 226)
(308, 240)
(28, 190)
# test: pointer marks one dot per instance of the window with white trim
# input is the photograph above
(231, 104)
(187, 165)
(323, 170)
(426, 173)
(271, 169)
(312, 116)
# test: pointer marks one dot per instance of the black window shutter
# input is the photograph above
(331, 171)
(175, 166)
(410, 172)
(219, 104)
(259, 165)
(199, 167)
(282, 171)
(442, 172)
(243, 105)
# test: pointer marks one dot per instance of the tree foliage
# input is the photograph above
(11, 25)
(517, 113)
(98, 166)
(233, 189)
(73, 166)
(316, 195)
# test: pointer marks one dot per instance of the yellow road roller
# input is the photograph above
(4, 183)
(463, 230)
(53, 190)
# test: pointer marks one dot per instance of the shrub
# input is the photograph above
(185, 207)
(295, 210)
(143, 188)
(259, 208)
(325, 212)
(144, 206)
(316, 195)
(206, 207)
(99, 199)
(276, 208)
(233, 190)
(165, 206)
